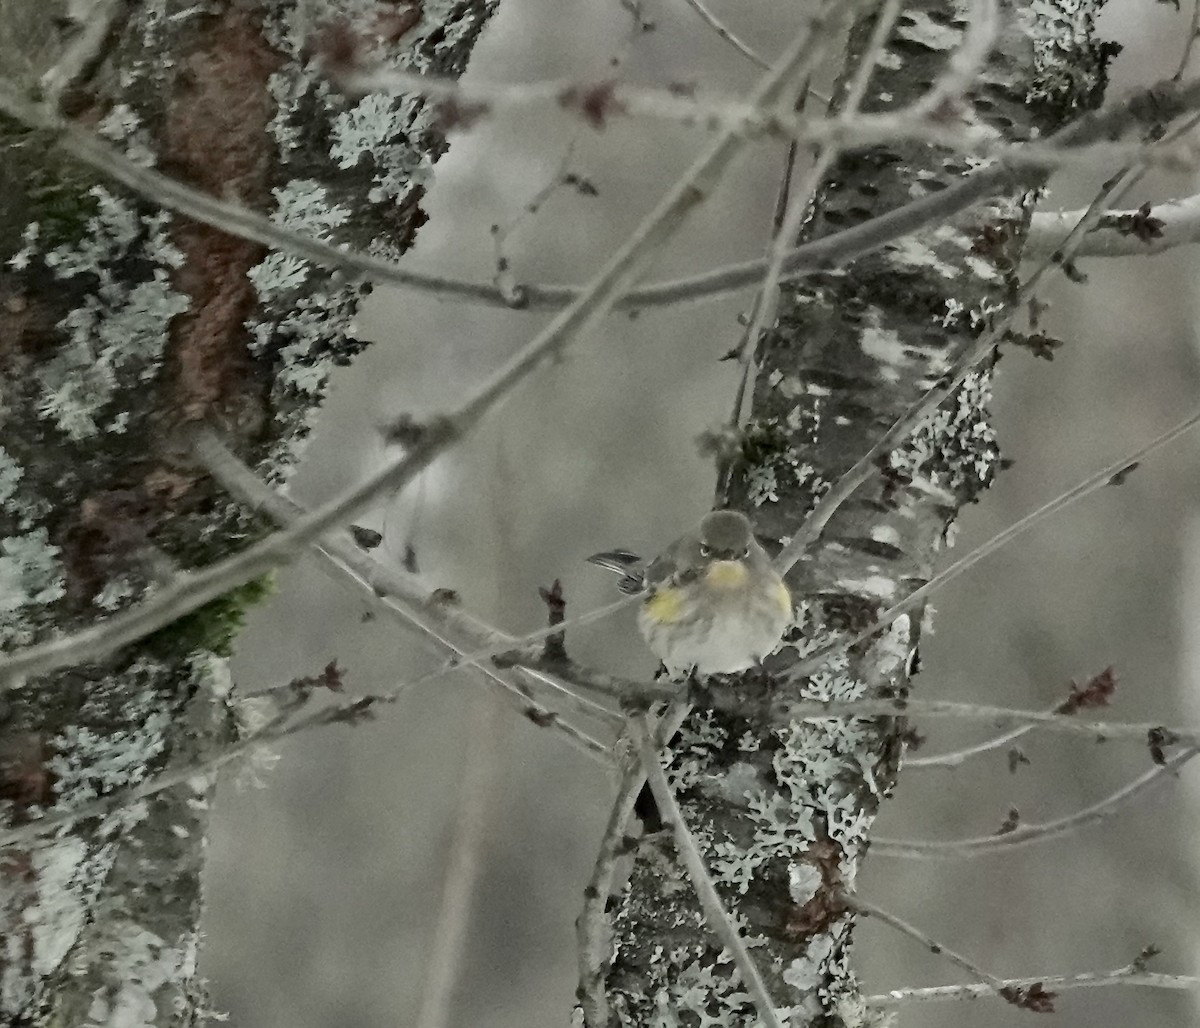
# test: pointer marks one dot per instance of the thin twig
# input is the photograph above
(1092, 484)
(1059, 983)
(767, 301)
(791, 210)
(200, 764)
(637, 695)
(465, 102)
(593, 929)
(84, 50)
(715, 914)
(202, 586)
(1024, 835)
(908, 422)
(350, 712)
(722, 30)
(509, 645)
(518, 682)
(957, 959)
(1095, 693)
(785, 705)
(504, 279)
(1150, 229)
(826, 252)
(956, 758)
(1189, 43)
(743, 351)
(446, 622)
(966, 61)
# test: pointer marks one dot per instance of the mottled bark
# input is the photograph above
(784, 810)
(120, 327)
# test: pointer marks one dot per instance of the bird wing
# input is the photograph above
(627, 565)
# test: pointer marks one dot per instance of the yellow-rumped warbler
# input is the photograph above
(712, 603)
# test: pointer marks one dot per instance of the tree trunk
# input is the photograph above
(783, 811)
(120, 328)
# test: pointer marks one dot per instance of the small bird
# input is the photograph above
(713, 603)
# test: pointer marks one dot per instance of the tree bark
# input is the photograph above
(783, 811)
(120, 329)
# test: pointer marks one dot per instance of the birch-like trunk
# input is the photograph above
(784, 810)
(121, 327)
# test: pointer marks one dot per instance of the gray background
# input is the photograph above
(323, 884)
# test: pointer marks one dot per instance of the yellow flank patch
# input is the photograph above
(665, 606)
(726, 574)
(785, 597)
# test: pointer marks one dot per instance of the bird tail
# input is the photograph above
(627, 565)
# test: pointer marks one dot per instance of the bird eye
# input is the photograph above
(744, 554)
(705, 550)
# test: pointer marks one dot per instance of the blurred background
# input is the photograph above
(324, 880)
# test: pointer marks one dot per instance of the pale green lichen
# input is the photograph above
(148, 964)
(385, 131)
(123, 125)
(313, 320)
(116, 336)
(772, 461)
(87, 763)
(812, 788)
(11, 474)
(954, 450)
(1062, 31)
(31, 575)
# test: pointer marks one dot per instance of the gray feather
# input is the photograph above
(627, 565)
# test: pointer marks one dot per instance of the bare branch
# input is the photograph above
(1060, 983)
(201, 765)
(786, 704)
(1139, 109)
(1102, 478)
(351, 712)
(592, 927)
(1026, 834)
(431, 612)
(767, 301)
(744, 352)
(1190, 43)
(1099, 731)
(598, 102)
(955, 82)
(636, 695)
(440, 433)
(724, 32)
(957, 959)
(956, 758)
(1150, 229)
(84, 50)
(1096, 692)
(719, 921)
(866, 465)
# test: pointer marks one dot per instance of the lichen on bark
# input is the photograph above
(783, 811)
(121, 327)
